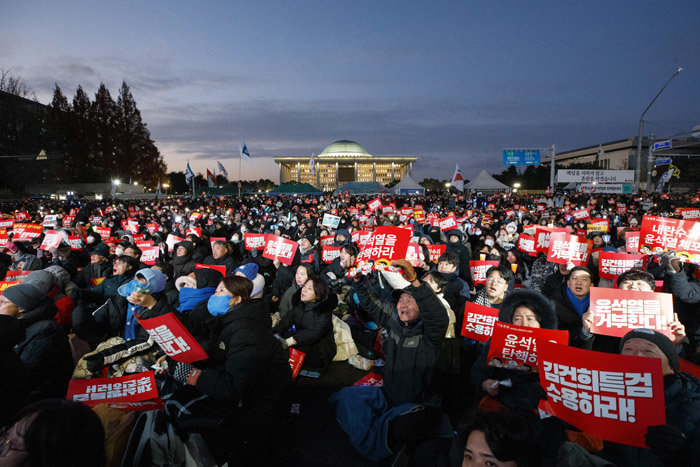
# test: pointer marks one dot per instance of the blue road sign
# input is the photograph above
(662, 161)
(521, 157)
(662, 145)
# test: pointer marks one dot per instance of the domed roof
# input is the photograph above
(344, 147)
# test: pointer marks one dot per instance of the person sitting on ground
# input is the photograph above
(99, 268)
(220, 257)
(182, 262)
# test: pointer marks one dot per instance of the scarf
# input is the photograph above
(189, 298)
(580, 305)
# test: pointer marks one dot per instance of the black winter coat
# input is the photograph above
(92, 271)
(568, 317)
(14, 386)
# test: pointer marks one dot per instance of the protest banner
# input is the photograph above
(632, 242)
(50, 220)
(22, 216)
(217, 267)
(4, 237)
(152, 228)
(564, 248)
(478, 321)
(145, 244)
(329, 220)
(360, 237)
(68, 220)
(296, 359)
(614, 397)
(216, 239)
(22, 232)
(478, 270)
(526, 244)
(6, 224)
(130, 224)
(617, 311)
(279, 248)
(543, 235)
(621, 208)
(448, 223)
(195, 231)
(175, 340)
(418, 215)
(149, 255)
(52, 239)
(435, 251)
(611, 265)
(660, 234)
(688, 213)
(375, 204)
(326, 240)
(76, 244)
(387, 209)
(329, 253)
(370, 379)
(515, 346)
(689, 367)
(138, 387)
(581, 214)
(11, 275)
(103, 232)
(254, 241)
(384, 245)
(171, 240)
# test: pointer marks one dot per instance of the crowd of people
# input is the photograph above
(73, 311)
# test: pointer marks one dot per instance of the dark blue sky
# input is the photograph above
(449, 82)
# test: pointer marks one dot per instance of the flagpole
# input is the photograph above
(240, 156)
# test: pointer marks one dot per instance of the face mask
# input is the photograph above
(90, 240)
(218, 305)
(119, 251)
(488, 242)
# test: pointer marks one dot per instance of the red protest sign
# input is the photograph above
(689, 367)
(659, 234)
(564, 247)
(329, 253)
(216, 239)
(6, 223)
(614, 397)
(360, 237)
(543, 235)
(611, 265)
(254, 241)
(5, 284)
(12, 274)
(138, 237)
(581, 214)
(279, 248)
(413, 254)
(514, 346)
(221, 268)
(171, 240)
(375, 204)
(22, 232)
(384, 245)
(621, 208)
(435, 251)
(616, 311)
(478, 321)
(632, 242)
(75, 243)
(448, 223)
(688, 213)
(172, 336)
(418, 215)
(526, 244)
(152, 228)
(144, 243)
(51, 240)
(68, 220)
(194, 230)
(149, 255)
(296, 358)
(326, 240)
(21, 216)
(478, 270)
(371, 379)
(103, 232)
(131, 388)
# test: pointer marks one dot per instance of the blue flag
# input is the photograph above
(222, 170)
(244, 151)
(189, 175)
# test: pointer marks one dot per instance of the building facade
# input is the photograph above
(341, 162)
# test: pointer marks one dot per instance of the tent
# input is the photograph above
(361, 188)
(485, 182)
(295, 189)
(408, 186)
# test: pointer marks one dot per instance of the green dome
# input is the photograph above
(344, 147)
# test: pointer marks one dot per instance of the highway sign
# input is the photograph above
(661, 145)
(521, 157)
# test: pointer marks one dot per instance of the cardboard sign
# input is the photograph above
(326, 240)
(5, 284)
(375, 204)
(371, 379)
(526, 244)
(632, 242)
(279, 248)
(611, 265)
(616, 311)
(478, 270)
(515, 347)
(221, 268)
(436, 251)
(448, 223)
(171, 240)
(254, 241)
(149, 255)
(296, 358)
(384, 245)
(22, 232)
(614, 397)
(329, 253)
(478, 321)
(565, 247)
(175, 340)
(103, 232)
(329, 220)
(361, 236)
(659, 234)
(52, 239)
(131, 388)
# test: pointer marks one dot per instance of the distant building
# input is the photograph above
(341, 162)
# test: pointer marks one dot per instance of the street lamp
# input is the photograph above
(116, 182)
(516, 185)
(638, 162)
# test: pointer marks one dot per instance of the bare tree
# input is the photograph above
(14, 85)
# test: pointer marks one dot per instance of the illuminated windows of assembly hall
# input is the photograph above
(341, 162)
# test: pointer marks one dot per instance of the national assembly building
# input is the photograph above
(341, 162)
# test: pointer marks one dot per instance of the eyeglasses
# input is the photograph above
(497, 281)
(6, 444)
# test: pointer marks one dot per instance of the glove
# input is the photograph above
(408, 272)
(283, 341)
(665, 261)
(95, 362)
(668, 443)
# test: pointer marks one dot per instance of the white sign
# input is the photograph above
(600, 176)
(612, 188)
(329, 220)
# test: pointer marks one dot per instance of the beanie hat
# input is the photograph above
(25, 296)
(656, 338)
(61, 276)
(101, 249)
(258, 286)
(249, 270)
(42, 280)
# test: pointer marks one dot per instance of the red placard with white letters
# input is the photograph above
(564, 247)
(611, 265)
(22, 232)
(175, 340)
(659, 234)
(376, 203)
(132, 388)
(329, 253)
(52, 239)
(617, 311)
(279, 248)
(254, 241)
(385, 244)
(435, 252)
(632, 242)
(296, 359)
(526, 244)
(478, 321)
(149, 255)
(448, 223)
(515, 347)
(371, 379)
(478, 270)
(217, 267)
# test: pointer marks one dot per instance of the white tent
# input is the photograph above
(485, 182)
(408, 186)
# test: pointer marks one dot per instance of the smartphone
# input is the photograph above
(142, 289)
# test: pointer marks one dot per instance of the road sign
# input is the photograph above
(521, 157)
(662, 145)
(662, 161)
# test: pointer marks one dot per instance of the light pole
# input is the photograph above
(516, 185)
(638, 158)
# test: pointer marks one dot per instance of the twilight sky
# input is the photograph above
(449, 82)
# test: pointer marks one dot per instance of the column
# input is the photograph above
(392, 171)
(355, 177)
(298, 172)
(374, 171)
(336, 176)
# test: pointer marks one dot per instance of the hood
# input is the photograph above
(543, 308)
(207, 277)
(456, 232)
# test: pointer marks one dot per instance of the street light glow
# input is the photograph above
(116, 182)
(516, 185)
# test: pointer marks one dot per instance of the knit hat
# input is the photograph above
(61, 276)
(25, 296)
(656, 338)
(249, 270)
(101, 249)
(258, 286)
(42, 280)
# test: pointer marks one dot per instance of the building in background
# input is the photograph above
(341, 162)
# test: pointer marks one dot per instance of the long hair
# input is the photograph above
(239, 287)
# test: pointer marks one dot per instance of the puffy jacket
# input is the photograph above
(91, 272)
